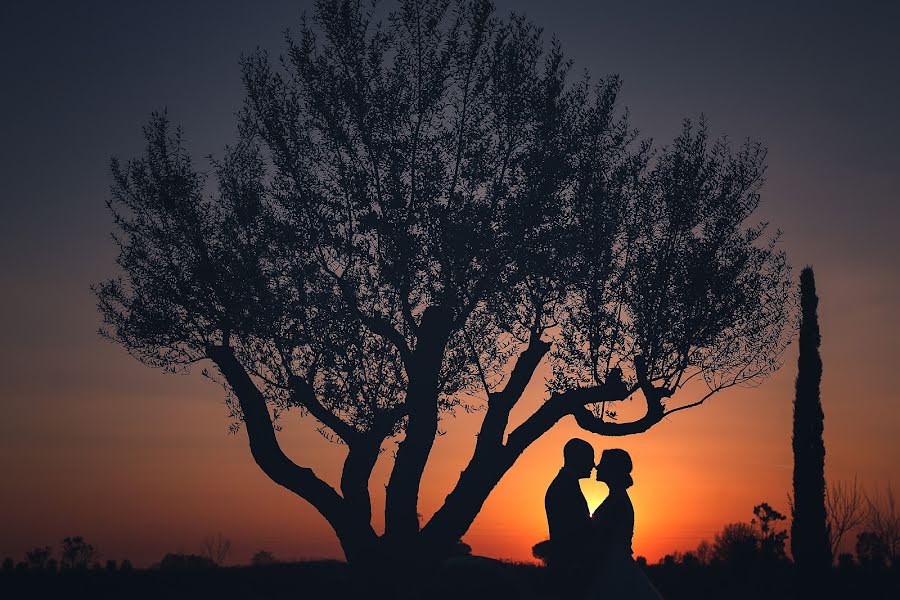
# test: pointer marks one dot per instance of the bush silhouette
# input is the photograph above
(183, 562)
(541, 551)
(38, 559)
(871, 550)
(736, 544)
(263, 558)
(77, 553)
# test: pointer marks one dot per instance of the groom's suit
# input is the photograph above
(569, 521)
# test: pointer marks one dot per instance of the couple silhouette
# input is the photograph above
(590, 555)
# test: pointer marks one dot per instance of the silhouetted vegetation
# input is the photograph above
(746, 560)
(77, 553)
(846, 510)
(771, 540)
(879, 544)
(461, 549)
(262, 558)
(176, 562)
(678, 576)
(216, 548)
(423, 206)
(811, 542)
(541, 551)
(39, 558)
(759, 544)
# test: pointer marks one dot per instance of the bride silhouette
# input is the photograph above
(617, 575)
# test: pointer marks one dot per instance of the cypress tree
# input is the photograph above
(809, 527)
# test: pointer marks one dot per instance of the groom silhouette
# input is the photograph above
(569, 520)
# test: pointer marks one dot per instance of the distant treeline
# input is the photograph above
(744, 560)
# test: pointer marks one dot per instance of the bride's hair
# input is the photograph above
(615, 468)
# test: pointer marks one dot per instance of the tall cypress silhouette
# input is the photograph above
(809, 529)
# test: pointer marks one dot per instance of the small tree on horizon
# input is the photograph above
(38, 559)
(736, 544)
(771, 539)
(216, 548)
(882, 522)
(810, 538)
(846, 507)
(420, 211)
(76, 553)
(263, 558)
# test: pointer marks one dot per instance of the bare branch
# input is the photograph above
(845, 504)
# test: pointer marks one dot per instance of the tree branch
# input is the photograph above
(490, 460)
(302, 393)
(501, 403)
(376, 323)
(655, 410)
(264, 446)
(561, 404)
(358, 466)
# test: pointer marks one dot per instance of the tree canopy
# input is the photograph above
(420, 208)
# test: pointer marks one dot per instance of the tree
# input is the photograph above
(216, 548)
(179, 562)
(38, 558)
(263, 558)
(77, 553)
(747, 544)
(810, 539)
(846, 511)
(882, 522)
(736, 544)
(704, 552)
(771, 540)
(419, 211)
(871, 550)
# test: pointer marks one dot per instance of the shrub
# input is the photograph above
(263, 558)
(184, 562)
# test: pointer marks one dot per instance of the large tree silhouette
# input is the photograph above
(417, 213)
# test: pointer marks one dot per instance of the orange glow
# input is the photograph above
(140, 464)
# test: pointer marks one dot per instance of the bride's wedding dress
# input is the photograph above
(617, 576)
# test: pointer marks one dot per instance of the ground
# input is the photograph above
(471, 580)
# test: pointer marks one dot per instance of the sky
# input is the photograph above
(140, 463)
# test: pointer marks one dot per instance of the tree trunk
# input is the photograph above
(402, 493)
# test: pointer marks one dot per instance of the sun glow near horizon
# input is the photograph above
(169, 476)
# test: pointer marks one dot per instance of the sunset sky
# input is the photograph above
(140, 463)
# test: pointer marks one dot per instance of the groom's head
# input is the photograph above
(579, 458)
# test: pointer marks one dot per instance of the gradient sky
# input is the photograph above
(140, 463)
